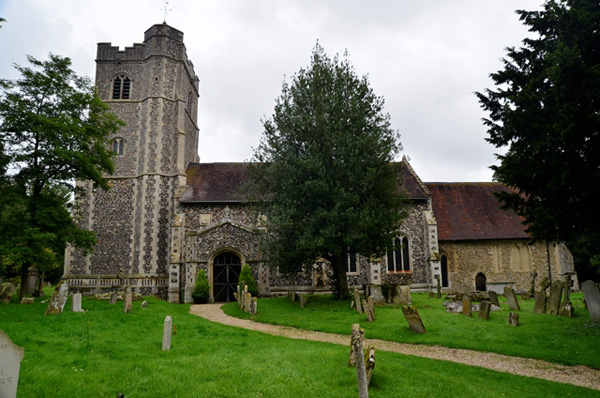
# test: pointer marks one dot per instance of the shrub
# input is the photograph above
(246, 278)
(202, 289)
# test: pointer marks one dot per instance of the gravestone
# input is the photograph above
(369, 363)
(27, 300)
(484, 310)
(254, 306)
(494, 298)
(76, 302)
(304, 300)
(358, 335)
(398, 298)
(376, 292)
(513, 319)
(540, 302)
(439, 287)
(553, 304)
(591, 292)
(247, 302)
(58, 299)
(357, 301)
(566, 309)
(405, 289)
(369, 310)
(144, 304)
(238, 296)
(11, 356)
(513, 304)
(127, 300)
(113, 298)
(414, 320)
(466, 305)
(167, 328)
(7, 291)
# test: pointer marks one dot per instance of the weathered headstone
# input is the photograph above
(144, 304)
(76, 302)
(513, 319)
(58, 299)
(405, 289)
(27, 300)
(376, 292)
(357, 301)
(591, 292)
(247, 302)
(369, 363)
(566, 309)
(399, 298)
(11, 356)
(439, 287)
(254, 306)
(513, 304)
(414, 320)
(466, 305)
(167, 328)
(303, 300)
(358, 336)
(540, 302)
(369, 310)
(494, 298)
(113, 298)
(127, 300)
(484, 310)
(7, 291)
(553, 304)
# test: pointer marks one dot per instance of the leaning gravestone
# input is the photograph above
(10, 365)
(368, 309)
(76, 303)
(494, 298)
(513, 304)
(113, 298)
(6, 292)
(167, 328)
(127, 300)
(540, 302)
(484, 310)
(58, 299)
(591, 292)
(359, 308)
(414, 320)
(553, 304)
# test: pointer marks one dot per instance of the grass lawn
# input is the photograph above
(102, 352)
(562, 340)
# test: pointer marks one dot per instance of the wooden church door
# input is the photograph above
(226, 271)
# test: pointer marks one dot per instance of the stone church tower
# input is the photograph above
(152, 87)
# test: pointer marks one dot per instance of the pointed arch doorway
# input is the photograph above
(226, 272)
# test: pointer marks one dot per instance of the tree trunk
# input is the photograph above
(339, 266)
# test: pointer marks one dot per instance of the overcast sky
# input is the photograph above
(426, 58)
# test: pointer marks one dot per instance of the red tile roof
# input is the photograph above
(221, 183)
(470, 211)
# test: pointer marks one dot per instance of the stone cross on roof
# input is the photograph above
(166, 9)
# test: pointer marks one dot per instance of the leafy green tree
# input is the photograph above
(324, 168)
(53, 127)
(545, 109)
(202, 288)
(246, 278)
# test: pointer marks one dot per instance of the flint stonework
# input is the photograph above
(513, 304)
(11, 356)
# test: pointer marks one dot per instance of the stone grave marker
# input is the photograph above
(144, 304)
(376, 292)
(484, 310)
(540, 302)
(494, 298)
(566, 309)
(11, 356)
(369, 363)
(7, 291)
(513, 304)
(247, 302)
(439, 287)
(27, 300)
(167, 328)
(304, 300)
(254, 306)
(553, 304)
(591, 292)
(58, 299)
(513, 319)
(76, 302)
(369, 310)
(127, 300)
(113, 298)
(414, 320)
(357, 301)
(405, 289)
(398, 298)
(466, 305)
(358, 335)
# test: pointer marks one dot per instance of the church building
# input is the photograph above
(166, 216)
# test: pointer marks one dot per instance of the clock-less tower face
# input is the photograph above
(153, 88)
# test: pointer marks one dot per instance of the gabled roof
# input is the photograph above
(471, 211)
(222, 182)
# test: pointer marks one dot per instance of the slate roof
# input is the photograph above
(221, 183)
(470, 211)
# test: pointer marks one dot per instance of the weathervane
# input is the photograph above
(166, 9)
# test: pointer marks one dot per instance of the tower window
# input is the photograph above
(398, 259)
(118, 146)
(121, 87)
(189, 102)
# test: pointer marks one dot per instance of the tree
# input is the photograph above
(247, 279)
(546, 110)
(324, 168)
(201, 289)
(53, 127)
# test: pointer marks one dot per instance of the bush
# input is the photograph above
(246, 278)
(202, 289)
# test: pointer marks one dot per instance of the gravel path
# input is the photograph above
(576, 375)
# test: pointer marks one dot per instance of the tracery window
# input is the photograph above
(398, 259)
(118, 146)
(121, 87)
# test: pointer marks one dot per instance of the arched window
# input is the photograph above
(351, 263)
(121, 87)
(398, 258)
(480, 282)
(118, 146)
(444, 269)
